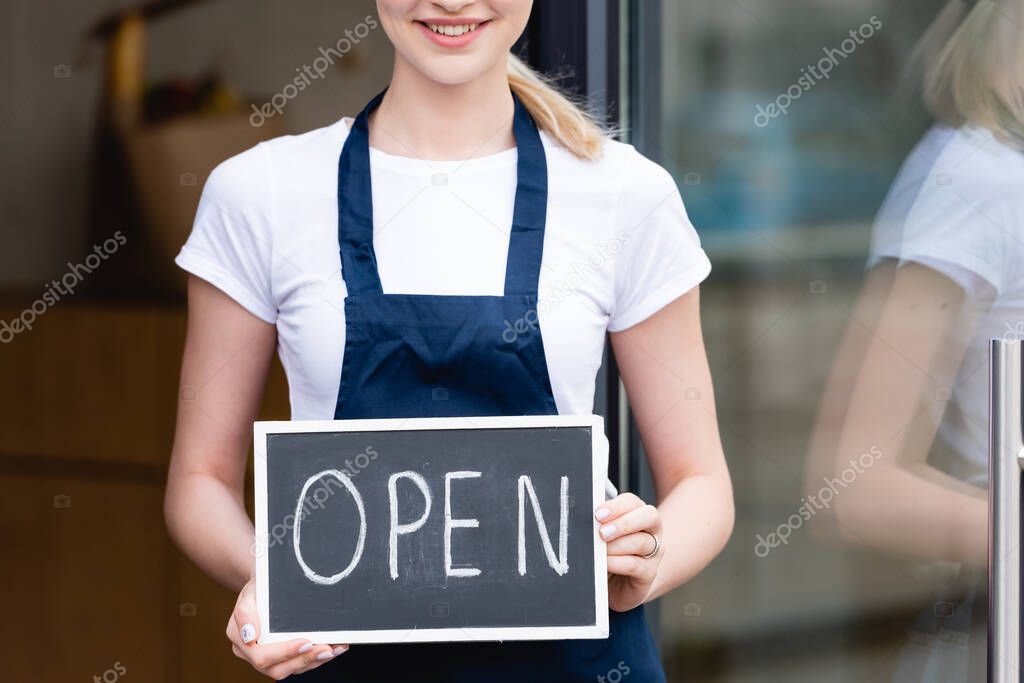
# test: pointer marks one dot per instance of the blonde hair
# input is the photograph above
(970, 67)
(570, 125)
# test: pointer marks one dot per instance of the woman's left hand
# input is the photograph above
(632, 530)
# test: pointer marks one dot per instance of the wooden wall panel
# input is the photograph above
(87, 580)
(88, 412)
(93, 383)
(99, 383)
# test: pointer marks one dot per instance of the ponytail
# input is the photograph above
(557, 115)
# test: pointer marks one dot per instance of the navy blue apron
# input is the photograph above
(411, 355)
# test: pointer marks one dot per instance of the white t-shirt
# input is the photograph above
(957, 207)
(618, 247)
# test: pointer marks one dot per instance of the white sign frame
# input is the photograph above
(599, 470)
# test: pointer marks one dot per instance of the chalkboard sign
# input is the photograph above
(415, 530)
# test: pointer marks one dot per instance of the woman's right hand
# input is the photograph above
(277, 660)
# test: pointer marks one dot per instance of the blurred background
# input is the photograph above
(114, 113)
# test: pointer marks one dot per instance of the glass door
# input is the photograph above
(853, 170)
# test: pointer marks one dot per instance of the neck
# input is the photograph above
(424, 119)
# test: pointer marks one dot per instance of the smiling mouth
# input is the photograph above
(453, 31)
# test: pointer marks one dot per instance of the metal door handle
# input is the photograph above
(1006, 459)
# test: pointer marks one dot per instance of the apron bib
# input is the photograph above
(413, 355)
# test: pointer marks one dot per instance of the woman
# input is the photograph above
(599, 242)
(910, 382)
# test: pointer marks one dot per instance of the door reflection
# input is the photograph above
(910, 384)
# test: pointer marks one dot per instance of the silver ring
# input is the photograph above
(657, 546)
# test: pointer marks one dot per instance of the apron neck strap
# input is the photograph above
(355, 207)
(529, 217)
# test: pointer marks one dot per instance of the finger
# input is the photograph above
(619, 505)
(337, 651)
(234, 634)
(246, 618)
(265, 657)
(631, 566)
(308, 667)
(300, 665)
(640, 544)
(644, 518)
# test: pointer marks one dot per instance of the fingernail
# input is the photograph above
(602, 513)
(340, 650)
(306, 648)
(324, 656)
(248, 633)
(608, 531)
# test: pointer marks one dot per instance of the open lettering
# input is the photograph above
(526, 494)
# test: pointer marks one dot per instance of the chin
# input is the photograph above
(453, 74)
(454, 69)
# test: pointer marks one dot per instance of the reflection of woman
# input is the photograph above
(944, 277)
(437, 292)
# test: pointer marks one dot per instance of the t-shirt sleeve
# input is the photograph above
(953, 233)
(231, 244)
(661, 257)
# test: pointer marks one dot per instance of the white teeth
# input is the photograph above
(452, 30)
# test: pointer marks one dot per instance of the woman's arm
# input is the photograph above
(901, 348)
(227, 356)
(223, 372)
(835, 397)
(665, 370)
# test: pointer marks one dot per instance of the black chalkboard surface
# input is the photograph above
(415, 530)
